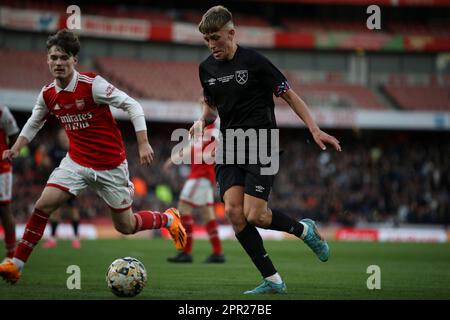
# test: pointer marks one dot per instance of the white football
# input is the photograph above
(126, 277)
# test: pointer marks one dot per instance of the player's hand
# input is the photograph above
(146, 154)
(196, 131)
(322, 138)
(10, 155)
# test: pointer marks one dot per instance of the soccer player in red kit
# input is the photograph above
(8, 128)
(96, 155)
(198, 192)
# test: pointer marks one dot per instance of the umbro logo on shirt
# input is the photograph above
(56, 107)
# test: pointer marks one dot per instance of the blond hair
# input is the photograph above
(215, 19)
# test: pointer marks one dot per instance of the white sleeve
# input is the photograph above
(9, 123)
(105, 93)
(37, 119)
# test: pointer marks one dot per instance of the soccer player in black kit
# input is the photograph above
(238, 85)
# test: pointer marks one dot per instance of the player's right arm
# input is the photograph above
(29, 131)
(11, 154)
(209, 115)
(105, 93)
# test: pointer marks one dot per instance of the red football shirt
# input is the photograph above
(95, 140)
(202, 170)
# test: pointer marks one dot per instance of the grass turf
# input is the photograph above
(408, 271)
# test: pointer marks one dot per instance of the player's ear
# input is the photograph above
(75, 60)
(231, 33)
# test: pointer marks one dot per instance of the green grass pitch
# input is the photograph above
(408, 271)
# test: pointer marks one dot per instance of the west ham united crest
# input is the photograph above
(241, 76)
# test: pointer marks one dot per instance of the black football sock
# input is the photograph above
(283, 222)
(252, 243)
(54, 225)
(75, 224)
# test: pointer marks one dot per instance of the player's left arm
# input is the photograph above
(10, 125)
(146, 153)
(273, 78)
(105, 93)
(302, 110)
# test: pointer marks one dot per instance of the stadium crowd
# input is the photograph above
(396, 177)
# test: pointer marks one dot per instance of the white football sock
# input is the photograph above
(305, 230)
(19, 263)
(169, 219)
(276, 278)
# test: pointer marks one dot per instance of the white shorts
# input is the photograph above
(113, 186)
(5, 187)
(198, 192)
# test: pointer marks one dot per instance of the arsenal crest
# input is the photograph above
(241, 76)
(79, 103)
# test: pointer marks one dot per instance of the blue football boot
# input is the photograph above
(314, 240)
(268, 287)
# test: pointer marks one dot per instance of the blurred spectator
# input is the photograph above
(404, 178)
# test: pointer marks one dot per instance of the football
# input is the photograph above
(126, 277)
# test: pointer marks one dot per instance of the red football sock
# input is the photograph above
(146, 220)
(33, 233)
(213, 233)
(188, 224)
(10, 244)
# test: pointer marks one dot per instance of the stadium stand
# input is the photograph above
(156, 80)
(435, 29)
(389, 176)
(393, 176)
(426, 98)
(23, 69)
(159, 80)
(26, 70)
(293, 22)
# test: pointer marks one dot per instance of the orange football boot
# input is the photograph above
(9, 271)
(176, 229)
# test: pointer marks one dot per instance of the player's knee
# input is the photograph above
(235, 213)
(46, 206)
(257, 218)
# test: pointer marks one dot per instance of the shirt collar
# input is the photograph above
(72, 84)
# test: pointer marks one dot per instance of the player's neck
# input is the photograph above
(232, 51)
(64, 82)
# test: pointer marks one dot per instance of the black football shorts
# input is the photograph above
(246, 175)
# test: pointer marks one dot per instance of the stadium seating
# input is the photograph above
(23, 69)
(376, 179)
(178, 81)
(342, 95)
(314, 24)
(414, 28)
(159, 80)
(426, 98)
(331, 89)
(371, 181)
(26, 70)
(325, 25)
